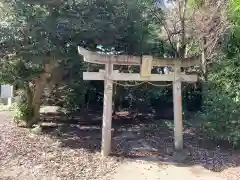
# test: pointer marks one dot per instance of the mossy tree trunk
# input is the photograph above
(29, 107)
(35, 104)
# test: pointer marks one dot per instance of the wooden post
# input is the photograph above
(177, 103)
(146, 66)
(107, 111)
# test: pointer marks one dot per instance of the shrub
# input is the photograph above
(221, 111)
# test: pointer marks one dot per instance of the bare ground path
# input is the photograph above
(162, 168)
(142, 170)
(74, 155)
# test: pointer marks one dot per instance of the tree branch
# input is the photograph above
(168, 32)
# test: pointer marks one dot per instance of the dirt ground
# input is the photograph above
(26, 156)
(141, 151)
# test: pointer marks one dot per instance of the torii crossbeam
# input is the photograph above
(146, 63)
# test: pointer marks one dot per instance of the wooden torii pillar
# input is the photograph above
(146, 63)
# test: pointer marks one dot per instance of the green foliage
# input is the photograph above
(234, 11)
(74, 88)
(24, 112)
(34, 33)
(221, 110)
(195, 3)
(222, 106)
(113, 26)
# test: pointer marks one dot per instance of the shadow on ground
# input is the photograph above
(140, 138)
(82, 131)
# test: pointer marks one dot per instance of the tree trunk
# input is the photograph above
(40, 84)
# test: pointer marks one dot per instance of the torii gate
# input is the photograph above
(146, 63)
